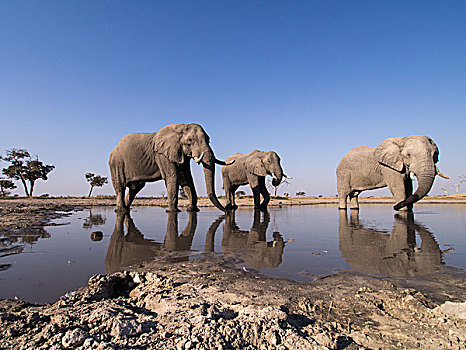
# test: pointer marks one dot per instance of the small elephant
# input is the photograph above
(145, 157)
(394, 163)
(251, 169)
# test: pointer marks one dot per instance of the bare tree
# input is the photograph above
(285, 182)
(240, 193)
(301, 193)
(95, 181)
(462, 179)
(23, 167)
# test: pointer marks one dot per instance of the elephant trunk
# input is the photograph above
(425, 181)
(208, 161)
(277, 175)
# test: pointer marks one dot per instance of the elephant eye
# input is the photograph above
(189, 140)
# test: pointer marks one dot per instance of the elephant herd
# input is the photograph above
(165, 155)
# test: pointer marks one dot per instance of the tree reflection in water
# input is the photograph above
(94, 220)
(373, 251)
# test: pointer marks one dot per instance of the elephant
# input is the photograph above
(394, 163)
(251, 169)
(257, 252)
(373, 251)
(132, 248)
(146, 157)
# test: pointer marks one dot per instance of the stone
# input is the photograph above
(97, 236)
(74, 338)
(454, 309)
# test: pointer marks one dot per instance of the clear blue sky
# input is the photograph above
(308, 79)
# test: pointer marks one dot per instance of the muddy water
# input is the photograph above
(299, 243)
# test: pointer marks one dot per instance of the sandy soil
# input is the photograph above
(211, 303)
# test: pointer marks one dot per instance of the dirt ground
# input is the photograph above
(212, 303)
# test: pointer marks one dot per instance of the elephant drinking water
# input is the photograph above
(394, 163)
(144, 157)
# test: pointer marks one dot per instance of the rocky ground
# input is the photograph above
(211, 303)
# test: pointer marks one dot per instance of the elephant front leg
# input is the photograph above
(172, 193)
(397, 185)
(254, 183)
(265, 193)
(230, 194)
(408, 192)
(188, 187)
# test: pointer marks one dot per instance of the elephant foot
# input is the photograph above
(230, 207)
(257, 208)
(121, 210)
(263, 207)
(340, 208)
(192, 208)
(355, 208)
(175, 210)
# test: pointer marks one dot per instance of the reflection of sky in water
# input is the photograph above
(295, 242)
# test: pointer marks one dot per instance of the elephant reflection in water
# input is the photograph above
(133, 248)
(258, 253)
(372, 251)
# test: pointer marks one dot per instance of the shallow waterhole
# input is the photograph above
(298, 243)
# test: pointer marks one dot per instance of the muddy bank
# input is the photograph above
(208, 304)
(213, 303)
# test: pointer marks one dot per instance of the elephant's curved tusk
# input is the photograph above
(412, 175)
(198, 160)
(440, 174)
(221, 162)
(287, 177)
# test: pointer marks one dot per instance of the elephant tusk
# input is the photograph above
(412, 175)
(287, 177)
(221, 162)
(440, 174)
(198, 160)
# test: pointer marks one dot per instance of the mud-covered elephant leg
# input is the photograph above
(264, 192)
(233, 189)
(172, 182)
(256, 191)
(396, 184)
(133, 190)
(187, 183)
(408, 192)
(354, 201)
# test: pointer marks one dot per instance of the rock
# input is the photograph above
(74, 338)
(125, 328)
(454, 309)
(97, 236)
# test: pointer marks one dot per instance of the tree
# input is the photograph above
(301, 193)
(25, 168)
(6, 184)
(240, 193)
(462, 179)
(95, 181)
(285, 182)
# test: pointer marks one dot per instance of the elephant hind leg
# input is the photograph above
(133, 188)
(187, 183)
(230, 194)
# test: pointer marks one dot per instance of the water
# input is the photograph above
(298, 243)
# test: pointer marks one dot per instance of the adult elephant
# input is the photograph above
(251, 169)
(145, 157)
(394, 163)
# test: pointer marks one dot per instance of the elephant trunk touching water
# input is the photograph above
(394, 163)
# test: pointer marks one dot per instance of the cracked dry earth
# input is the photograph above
(207, 303)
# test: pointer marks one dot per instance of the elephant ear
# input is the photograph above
(167, 142)
(388, 153)
(256, 167)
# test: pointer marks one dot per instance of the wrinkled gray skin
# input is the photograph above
(393, 163)
(394, 254)
(145, 157)
(251, 169)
